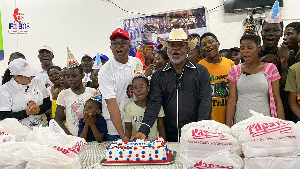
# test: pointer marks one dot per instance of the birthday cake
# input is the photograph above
(138, 151)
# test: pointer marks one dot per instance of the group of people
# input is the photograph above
(157, 93)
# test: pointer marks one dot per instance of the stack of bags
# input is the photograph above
(43, 147)
(209, 144)
(268, 143)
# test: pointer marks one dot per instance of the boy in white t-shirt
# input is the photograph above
(72, 100)
(24, 97)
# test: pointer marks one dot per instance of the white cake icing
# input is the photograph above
(137, 150)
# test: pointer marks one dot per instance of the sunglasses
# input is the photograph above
(122, 43)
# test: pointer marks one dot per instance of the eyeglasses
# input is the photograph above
(122, 43)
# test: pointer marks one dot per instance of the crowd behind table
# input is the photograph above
(158, 91)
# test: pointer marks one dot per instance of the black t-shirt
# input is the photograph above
(262, 53)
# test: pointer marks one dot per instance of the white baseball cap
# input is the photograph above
(21, 67)
(46, 48)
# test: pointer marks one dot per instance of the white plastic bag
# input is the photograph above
(6, 137)
(272, 163)
(220, 159)
(7, 154)
(262, 136)
(59, 141)
(14, 127)
(44, 156)
(54, 126)
(207, 136)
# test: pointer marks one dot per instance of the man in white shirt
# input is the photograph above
(115, 84)
(45, 56)
(87, 64)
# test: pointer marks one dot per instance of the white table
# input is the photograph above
(94, 152)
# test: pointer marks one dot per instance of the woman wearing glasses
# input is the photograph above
(24, 97)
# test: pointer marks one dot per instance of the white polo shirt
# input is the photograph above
(115, 82)
(74, 106)
(14, 97)
(43, 76)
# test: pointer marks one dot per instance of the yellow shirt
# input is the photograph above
(218, 77)
(53, 109)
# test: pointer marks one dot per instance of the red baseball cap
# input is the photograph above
(119, 32)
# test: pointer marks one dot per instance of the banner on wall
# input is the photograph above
(18, 26)
(146, 30)
(1, 40)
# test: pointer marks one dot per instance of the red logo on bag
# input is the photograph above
(265, 128)
(203, 165)
(204, 134)
(75, 149)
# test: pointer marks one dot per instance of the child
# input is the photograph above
(72, 100)
(94, 77)
(56, 92)
(54, 76)
(92, 126)
(134, 111)
(218, 68)
(253, 85)
(292, 87)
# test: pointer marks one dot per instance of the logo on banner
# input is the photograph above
(18, 26)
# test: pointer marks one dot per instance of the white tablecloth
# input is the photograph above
(93, 152)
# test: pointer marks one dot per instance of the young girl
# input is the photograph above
(92, 126)
(134, 111)
(72, 100)
(252, 85)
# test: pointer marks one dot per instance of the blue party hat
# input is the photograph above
(97, 62)
(275, 14)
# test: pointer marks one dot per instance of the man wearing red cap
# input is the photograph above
(115, 83)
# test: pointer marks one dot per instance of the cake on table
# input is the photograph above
(137, 151)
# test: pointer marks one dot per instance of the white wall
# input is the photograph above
(85, 25)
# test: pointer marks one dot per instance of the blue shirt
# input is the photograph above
(100, 124)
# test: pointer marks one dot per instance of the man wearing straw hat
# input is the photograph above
(181, 87)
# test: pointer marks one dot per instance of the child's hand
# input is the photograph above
(55, 94)
(149, 70)
(85, 117)
(92, 119)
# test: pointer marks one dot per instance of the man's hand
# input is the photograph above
(270, 58)
(138, 135)
(284, 54)
(125, 138)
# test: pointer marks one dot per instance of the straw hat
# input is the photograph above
(178, 35)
